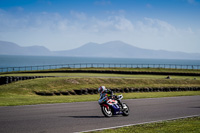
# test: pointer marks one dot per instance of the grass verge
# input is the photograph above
(94, 75)
(187, 125)
(13, 100)
(115, 69)
(23, 92)
(57, 84)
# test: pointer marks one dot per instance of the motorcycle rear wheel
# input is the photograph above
(106, 111)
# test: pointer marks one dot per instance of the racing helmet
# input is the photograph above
(101, 89)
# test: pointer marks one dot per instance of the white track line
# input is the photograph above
(137, 124)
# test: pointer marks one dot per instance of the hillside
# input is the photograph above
(118, 49)
(9, 48)
(114, 49)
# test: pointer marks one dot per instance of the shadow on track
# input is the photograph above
(195, 107)
(86, 116)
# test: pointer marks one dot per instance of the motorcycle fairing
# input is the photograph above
(115, 109)
(111, 102)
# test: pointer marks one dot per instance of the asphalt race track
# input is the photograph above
(77, 117)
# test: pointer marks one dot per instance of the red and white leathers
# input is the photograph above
(105, 96)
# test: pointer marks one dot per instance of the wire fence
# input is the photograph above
(98, 65)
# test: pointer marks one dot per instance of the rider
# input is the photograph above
(106, 94)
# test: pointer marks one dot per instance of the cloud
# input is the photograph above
(60, 32)
(159, 34)
(123, 24)
(107, 26)
(160, 25)
(63, 25)
(11, 22)
(78, 15)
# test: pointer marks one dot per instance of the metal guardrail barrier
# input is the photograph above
(98, 65)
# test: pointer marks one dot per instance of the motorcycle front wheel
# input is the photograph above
(106, 111)
(125, 112)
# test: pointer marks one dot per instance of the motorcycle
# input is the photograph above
(112, 107)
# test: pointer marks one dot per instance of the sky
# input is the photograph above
(172, 25)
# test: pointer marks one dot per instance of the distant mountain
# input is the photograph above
(118, 49)
(9, 48)
(115, 49)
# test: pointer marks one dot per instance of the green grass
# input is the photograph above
(187, 125)
(142, 69)
(118, 69)
(23, 92)
(28, 87)
(102, 75)
(14, 99)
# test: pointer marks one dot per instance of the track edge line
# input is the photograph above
(100, 129)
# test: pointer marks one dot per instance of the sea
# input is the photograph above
(22, 61)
